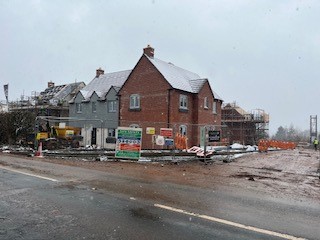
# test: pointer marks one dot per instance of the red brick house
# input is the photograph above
(161, 95)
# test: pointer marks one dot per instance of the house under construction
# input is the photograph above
(244, 127)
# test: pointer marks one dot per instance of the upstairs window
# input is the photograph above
(135, 101)
(214, 107)
(79, 107)
(183, 102)
(94, 106)
(112, 106)
(206, 103)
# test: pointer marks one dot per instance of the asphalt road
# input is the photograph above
(76, 206)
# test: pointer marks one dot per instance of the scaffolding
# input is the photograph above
(244, 127)
(313, 128)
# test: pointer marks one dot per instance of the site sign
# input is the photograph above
(214, 136)
(166, 132)
(169, 142)
(150, 130)
(128, 143)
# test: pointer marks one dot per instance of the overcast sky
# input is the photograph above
(262, 54)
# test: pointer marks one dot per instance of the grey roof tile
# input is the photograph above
(180, 78)
(103, 83)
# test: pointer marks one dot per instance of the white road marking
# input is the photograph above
(238, 225)
(29, 174)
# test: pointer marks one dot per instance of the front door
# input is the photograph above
(94, 136)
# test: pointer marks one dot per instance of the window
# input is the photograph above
(183, 101)
(111, 136)
(112, 106)
(111, 132)
(206, 103)
(78, 107)
(214, 107)
(135, 101)
(94, 106)
(183, 130)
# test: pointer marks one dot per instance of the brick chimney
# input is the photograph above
(50, 84)
(99, 72)
(149, 51)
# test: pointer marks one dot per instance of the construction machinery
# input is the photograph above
(57, 137)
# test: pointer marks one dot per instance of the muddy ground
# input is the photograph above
(288, 173)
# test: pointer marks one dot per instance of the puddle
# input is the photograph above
(143, 213)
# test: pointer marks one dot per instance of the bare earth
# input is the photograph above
(290, 173)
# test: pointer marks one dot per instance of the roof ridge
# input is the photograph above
(173, 65)
(116, 72)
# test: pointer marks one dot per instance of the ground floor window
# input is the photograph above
(183, 130)
(111, 132)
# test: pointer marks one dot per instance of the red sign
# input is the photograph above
(166, 132)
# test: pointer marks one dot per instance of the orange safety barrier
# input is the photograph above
(181, 141)
(265, 144)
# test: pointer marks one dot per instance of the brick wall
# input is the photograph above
(156, 97)
(146, 81)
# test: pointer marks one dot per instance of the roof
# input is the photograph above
(180, 78)
(235, 107)
(101, 85)
(60, 92)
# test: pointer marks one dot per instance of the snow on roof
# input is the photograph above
(216, 96)
(59, 93)
(177, 77)
(180, 78)
(101, 85)
(67, 90)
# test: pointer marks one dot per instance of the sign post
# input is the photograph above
(128, 143)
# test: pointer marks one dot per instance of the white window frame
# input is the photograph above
(111, 132)
(206, 103)
(79, 107)
(214, 107)
(183, 130)
(112, 106)
(94, 106)
(135, 101)
(183, 102)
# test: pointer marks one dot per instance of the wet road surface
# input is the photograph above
(39, 208)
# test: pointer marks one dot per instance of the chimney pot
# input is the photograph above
(149, 51)
(99, 72)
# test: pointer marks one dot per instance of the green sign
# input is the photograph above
(128, 143)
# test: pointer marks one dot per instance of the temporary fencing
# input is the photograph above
(265, 144)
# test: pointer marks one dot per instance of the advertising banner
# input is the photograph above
(128, 143)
